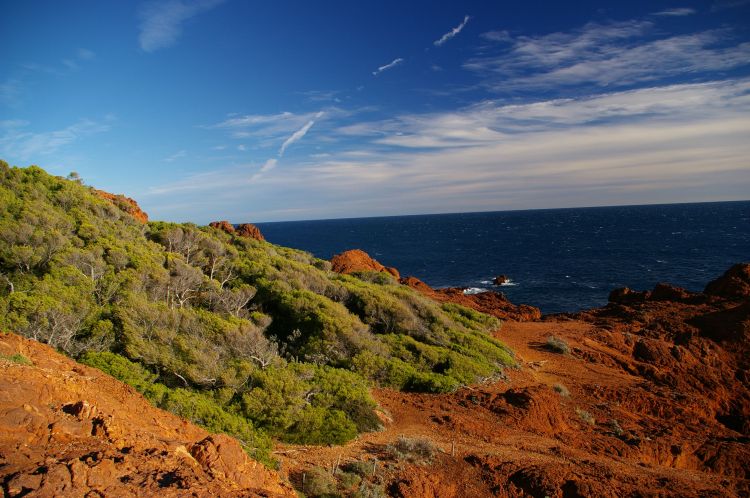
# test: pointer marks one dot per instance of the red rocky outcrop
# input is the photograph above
(357, 260)
(125, 204)
(244, 230)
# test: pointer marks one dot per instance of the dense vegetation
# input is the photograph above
(239, 335)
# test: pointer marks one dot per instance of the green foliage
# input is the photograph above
(16, 358)
(557, 345)
(236, 334)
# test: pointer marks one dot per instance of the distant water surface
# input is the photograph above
(557, 259)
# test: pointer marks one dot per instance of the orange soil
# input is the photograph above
(70, 430)
(666, 406)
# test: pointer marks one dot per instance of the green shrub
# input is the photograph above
(414, 450)
(557, 345)
(16, 358)
(561, 390)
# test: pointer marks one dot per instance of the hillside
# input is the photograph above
(71, 430)
(217, 325)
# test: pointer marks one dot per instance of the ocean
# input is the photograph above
(561, 260)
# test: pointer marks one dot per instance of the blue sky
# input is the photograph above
(265, 111)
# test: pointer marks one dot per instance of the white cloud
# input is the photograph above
(662, 144)
(607, 55)
(450, 34)
(678, 12)
(297, 135)
(162, 20)
(388, 66)
(22, 145)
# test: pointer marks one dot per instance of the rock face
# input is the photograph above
(734, 284)
(125, 204)
(249, 230)
(244, 230)
(357, 260)
(70, 430)
(500, 280)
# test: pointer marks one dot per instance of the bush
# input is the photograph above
(561, 390)
(414, 450)
(585, 416)
(557, 345)
(318, 483)
(16, 358)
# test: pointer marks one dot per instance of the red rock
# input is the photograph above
(222, 225)
(249, 230)
(125, 204)
(734, 284)
(500, 280)
(357, 260)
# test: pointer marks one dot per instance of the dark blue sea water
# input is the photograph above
(557, 259)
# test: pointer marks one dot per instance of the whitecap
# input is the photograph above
(508, 283)
(475, 290)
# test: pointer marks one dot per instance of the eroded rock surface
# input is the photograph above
(70, 430)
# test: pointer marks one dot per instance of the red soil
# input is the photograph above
(655, 402)
(70, 430)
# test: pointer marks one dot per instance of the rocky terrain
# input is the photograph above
(70, 430)
(647, 396)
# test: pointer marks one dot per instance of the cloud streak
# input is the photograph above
(450, 34)
(606, 56)
(162, 21)
(388, 66)
(678, 12)
(19, 144)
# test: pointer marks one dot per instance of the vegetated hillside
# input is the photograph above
(236, 334)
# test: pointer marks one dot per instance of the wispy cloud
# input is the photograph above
(297, 135)
(665, 143)
(177, 155)
(607, 55)
(162, 21)
(678, 12)
(23, 145)
(450, 34)
(388, 66)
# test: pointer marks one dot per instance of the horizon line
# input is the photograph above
(495, 211)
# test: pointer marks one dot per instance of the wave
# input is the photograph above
(507, 283)
(475, 290)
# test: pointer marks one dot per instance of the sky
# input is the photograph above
(268, 111)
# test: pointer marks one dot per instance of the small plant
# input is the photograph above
(17, 358)
(585, 416)
(318, 482)
(616, 428)
(362, 469)
(348, 480)
(414, 450)
(369, 490)
(561, 390)
(557, 345)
